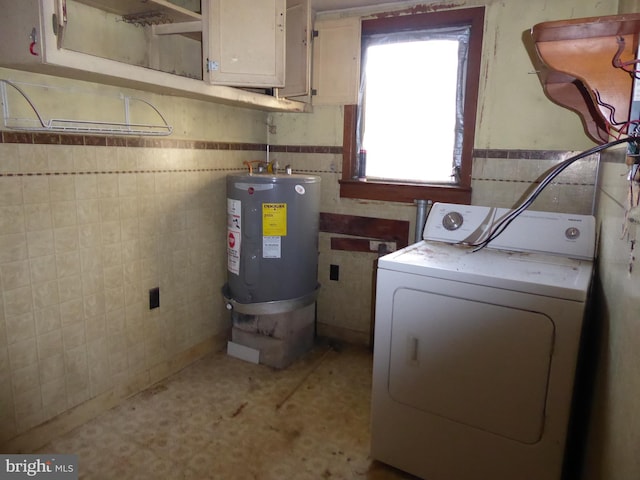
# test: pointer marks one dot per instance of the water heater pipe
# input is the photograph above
(423, 207)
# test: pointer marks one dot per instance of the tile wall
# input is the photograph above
(87, 226)
(502, 178)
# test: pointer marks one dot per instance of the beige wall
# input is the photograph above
(614, 433)
(614, 423)
(85, 232)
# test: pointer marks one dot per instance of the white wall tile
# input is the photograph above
(6, 401)
(5, 366)
(128, 158)
(50, 345)
(95, 328)
(26, 381)
(94, 304)
(109, 209)
(10, 191)
(35, 189)
(111, 232)
(114, 298)
(73, 336)
(33, 158)
(84, 159)
(127, 185)
(88, 211)
(115, 322)
(23, 354)
(128, 208)
(45, 294)
(111, 255)
(38, 217)
(40, 243)
(12, 219)
(47, 319)
(66, 239)
(60, 158)
(18, 302)
(52, 367)
(90, 235)
(9, 158)
(54, 393)
(107, 158)
(64, 214)
(14, 247)
(86, 186)
(62, 188)
(15, 274)
(72, 311)
(43, 268)
(107, 185)
(129, 228)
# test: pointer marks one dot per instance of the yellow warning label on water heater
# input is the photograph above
(274, 219)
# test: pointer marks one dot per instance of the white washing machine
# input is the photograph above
(475, 353)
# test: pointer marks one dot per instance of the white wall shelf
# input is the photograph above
(26, 116)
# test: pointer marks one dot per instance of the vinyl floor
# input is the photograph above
(223, 418)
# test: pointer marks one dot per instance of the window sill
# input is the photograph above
(404, 193)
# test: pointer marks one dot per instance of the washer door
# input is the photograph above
(483, 365)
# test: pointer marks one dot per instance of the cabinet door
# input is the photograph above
(336, 62)
(245, 42)
(298, 70)
(18, 21)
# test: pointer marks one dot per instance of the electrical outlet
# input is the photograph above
(154, 298)
(334, 272)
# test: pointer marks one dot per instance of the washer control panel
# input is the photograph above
(532, 231)
(457, 223)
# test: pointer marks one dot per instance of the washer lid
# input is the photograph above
(536, 273)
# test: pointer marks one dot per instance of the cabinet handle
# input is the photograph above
(33, 37)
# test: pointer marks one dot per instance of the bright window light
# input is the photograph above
(410, 111)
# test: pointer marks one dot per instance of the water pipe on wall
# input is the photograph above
(423, 207)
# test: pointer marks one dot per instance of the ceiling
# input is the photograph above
(324, 5)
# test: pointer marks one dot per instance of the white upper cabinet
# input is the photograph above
(336, 61)
(244, 43)
(155, 34)
(154, 45)
(298, 41)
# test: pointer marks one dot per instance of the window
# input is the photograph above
(416, 114)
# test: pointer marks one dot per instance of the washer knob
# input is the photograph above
(572, 233)
(452, 221)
